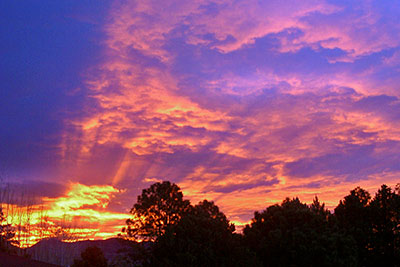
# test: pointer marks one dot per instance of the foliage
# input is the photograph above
(157, 207)
(352, 216)
(385, 223)
(185, 235)
(203, 237)
(294, 234)
(374, 224)
(361, 231)
(385, 213)
(91, 257)
(7, 232)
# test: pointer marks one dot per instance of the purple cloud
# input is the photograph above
(232, 100)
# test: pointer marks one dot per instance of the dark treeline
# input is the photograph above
(361, 231)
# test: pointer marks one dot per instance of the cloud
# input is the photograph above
(231, 103)
(229, 188)
(29, 192)
(356, 163)
(232, 100)
(51, 209)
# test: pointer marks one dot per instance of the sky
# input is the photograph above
(241, 102)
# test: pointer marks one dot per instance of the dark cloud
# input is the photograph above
(30, 192)
(239, 187)
(383, 105)
(353, 163)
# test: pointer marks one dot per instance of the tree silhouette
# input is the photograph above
(91, 257)
(354, 219)
(361, 232)
(7, 233)
(203, 237)
(294, 234)
(158, 207)
(373, 224)
(385, 214)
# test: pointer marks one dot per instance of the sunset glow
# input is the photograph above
(82, 213)
(240, 102)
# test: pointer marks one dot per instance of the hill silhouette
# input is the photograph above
(63, 253)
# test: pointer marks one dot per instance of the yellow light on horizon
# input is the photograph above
(82, 213)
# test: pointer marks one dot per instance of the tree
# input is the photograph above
(373, 224)
(182, 234)
(157, 207)
(7, 233)
(352, 211)
(294, 234)
(354, 219)
(91, 257)
(203, 237)
(385, 218)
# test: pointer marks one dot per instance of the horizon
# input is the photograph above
(243, 103)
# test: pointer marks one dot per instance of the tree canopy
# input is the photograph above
(362, 231)
(384, 211)
(6, 233)
(187, 235)
(158, 207)
(91, 257)
(203, 237)
(295, 234)
(374, 224)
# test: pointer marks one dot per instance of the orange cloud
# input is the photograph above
(82, 213)
(193, 99)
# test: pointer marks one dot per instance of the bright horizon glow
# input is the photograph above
(81, 213)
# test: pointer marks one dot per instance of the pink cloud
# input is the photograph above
(232, 130)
